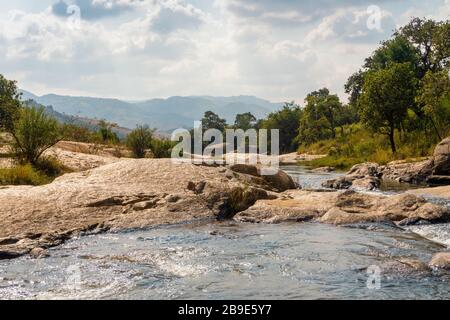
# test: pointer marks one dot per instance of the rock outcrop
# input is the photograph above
(442, 158)
(126, 194)
(365, 176)
(434, 171)
(294, 158)
(347, 207)
(441, 260)
(412, 172)
(369, 176)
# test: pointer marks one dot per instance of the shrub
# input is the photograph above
(34, 132)
(51, 167)
(140, 140)
(22, 175)
(73, 132)
(105, 132)
(162, 148)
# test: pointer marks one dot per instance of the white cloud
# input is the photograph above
(137, 49)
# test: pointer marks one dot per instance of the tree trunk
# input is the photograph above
(392, 140)
(436, 129)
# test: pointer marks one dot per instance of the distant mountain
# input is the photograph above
(90, 124)
(163, 114)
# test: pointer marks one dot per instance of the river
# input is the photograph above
(227, 260)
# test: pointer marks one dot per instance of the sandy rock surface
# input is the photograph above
(122, 195)
(344, 208)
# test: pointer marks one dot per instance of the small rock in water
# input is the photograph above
(441, 260)
(39, 253)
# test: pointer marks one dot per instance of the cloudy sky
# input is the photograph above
(138, 49)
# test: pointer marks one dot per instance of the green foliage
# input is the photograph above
(431, 39)
(434, 96)
(51, 167)
(357, 145)
(23, 175)
(34, 132)
(9, 103)
(212, 121)
(162, 148)
(387, 94)
(322, 114)
(245, 121)
(287, 121)
(106, 133)
(140, 140)
(78, 133)
(396, 50)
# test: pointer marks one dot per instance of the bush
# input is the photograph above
(23, 175)
(34, 132)
(106, 134)
(51, 167)
(162, 148)
(77, 133)
(140, 140)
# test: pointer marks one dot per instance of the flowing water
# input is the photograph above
(227, 260)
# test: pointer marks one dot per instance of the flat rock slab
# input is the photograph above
(439, 192)
(347, 207)
(123, 195)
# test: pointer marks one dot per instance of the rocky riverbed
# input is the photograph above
(120, 196)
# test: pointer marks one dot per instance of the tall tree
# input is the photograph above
(9, 103)
(432, 41)
(212, 120)
(434, 95)
(245, 121)
(387, 94)
(396, 50)
(286, 120)
(320, 117)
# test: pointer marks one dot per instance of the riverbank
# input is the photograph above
(124, 195)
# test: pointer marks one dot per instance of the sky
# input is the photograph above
(279, 50)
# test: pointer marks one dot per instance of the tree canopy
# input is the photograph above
(9, 103)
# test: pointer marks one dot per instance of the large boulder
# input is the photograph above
(347, 207)
(274, 179)
(368, 176)
(368, 169)
(442, 158)
(123, 195)
(413, 172)
(364, 176)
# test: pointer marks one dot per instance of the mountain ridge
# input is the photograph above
(163, 114)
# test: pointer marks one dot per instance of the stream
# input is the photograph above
(228, 260)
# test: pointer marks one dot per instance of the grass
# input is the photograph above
(23, 175)
(357, 145)
(44, 172)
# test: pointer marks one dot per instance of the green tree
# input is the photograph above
(212, 121)
(245, 121)
(34, 132)
(286, 120)
(321, 116)
(387, 94)
(434, 95)
(106, 133)
(9, 103)
(431, 40)
(140, 140)
(396, 50)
